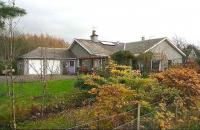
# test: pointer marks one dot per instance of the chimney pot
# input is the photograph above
(94, 36)
(143, 38)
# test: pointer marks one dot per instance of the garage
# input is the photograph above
(36, 67)
(53, 67)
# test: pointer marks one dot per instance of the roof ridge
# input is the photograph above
(100, 40)
(148, 40)
(122, 42)
(50, 47)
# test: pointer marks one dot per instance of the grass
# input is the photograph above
(57, 121)
(35, 88)
(28, 94)
(63, 120)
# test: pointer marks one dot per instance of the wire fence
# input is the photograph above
(107, 122)
(149, 121)
(137, 119)
(117, 121)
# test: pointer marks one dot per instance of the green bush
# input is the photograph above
(140, 83)
(123, 57)
(87, 82)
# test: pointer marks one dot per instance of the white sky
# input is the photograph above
(115, 20)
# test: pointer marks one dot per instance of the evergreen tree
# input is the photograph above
(7, 11)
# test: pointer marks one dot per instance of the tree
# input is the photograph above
(123, 57)
(7, 11)
(180, 42)
(24, 43)
(186, 47)
(145, 60)
(188, 50)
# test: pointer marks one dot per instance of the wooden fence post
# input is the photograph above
(176, 113)
(138, 117)
(98, 125)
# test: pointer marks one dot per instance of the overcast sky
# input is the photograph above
(114, 20)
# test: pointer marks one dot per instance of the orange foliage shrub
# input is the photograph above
(185, 79)
(192, 65)
(112, 99)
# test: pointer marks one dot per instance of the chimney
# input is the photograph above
(94, 36)
(143, 38)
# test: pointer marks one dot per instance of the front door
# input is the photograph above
(71, 68)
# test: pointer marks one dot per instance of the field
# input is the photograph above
(29, 97)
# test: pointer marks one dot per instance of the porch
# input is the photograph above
(91, 64)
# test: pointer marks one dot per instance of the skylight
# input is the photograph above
(108, 43)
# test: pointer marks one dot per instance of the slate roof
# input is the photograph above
(94, 48)
(134, 47)
(49, 53)
(141, 46)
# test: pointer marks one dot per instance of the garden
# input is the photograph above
(166, 100)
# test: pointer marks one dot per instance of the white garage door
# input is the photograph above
(35, 66)
(53, 67)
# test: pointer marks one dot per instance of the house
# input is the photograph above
(92, 54)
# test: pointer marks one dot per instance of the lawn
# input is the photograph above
(29, 94)
(35, 88)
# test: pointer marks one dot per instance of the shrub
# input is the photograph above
(123, 57)
(184, 79)
(114, 70)
(164, 117)
(140, 83)
(193, 64)
(86, 82)
(174, 89)
(111, 100)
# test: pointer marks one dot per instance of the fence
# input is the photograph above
(137, 119)
(114, 121)
(148, 121)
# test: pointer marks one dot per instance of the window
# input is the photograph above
(71, 63)
(155, 65)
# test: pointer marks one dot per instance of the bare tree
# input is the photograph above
(45, 69)
(11, 32)
(180, 42)
(9, 68)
